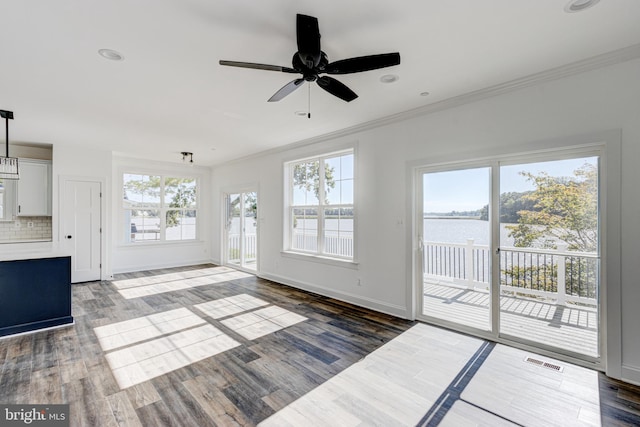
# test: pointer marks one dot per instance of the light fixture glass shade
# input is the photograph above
(9, 168)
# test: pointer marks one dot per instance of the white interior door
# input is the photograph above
(81, 231)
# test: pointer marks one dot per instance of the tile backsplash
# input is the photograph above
(26, 228)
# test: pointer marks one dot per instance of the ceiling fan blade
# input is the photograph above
(257, 66)
(308, 36)
(363, 63)
(286, 90)
(336, 88)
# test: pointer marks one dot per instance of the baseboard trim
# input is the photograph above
(370, 303)
(631, 374)
(160, 266)
(42, 325)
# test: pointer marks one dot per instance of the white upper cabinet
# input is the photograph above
(34, 188)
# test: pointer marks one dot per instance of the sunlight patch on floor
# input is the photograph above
(262, 322)
(405, 379)
(142, 362)
(144, 328)
(152, 285)
(170, 277)
(254, 323)
(224, 307)
(146, 347)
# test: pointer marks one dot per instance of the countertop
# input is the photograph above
(35, 254)
(8, 242)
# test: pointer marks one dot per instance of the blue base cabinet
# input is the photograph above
(34, 294)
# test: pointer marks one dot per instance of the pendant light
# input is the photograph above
(8, 165)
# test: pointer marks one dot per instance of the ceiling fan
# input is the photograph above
(311, 62)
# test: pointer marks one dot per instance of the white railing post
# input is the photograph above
(562, 279)
(468, 262)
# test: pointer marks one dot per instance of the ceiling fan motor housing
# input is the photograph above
(309, 74)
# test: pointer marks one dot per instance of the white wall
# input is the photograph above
(78, 162)
(591, 102)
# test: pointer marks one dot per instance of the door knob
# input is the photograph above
(68, 237)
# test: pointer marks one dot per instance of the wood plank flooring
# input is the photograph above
(289, 352)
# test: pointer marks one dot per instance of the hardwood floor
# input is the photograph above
(208, 346)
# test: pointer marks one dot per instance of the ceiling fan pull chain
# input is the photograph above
(309, 104)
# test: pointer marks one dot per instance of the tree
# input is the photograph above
(184, 195)
(511, 204)
(306, 176)
(181, 190)
(564, 209)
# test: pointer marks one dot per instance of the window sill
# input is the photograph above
(337, 262)
(154, 243)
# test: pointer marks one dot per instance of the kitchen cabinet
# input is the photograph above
(34, 188)
(35, 294)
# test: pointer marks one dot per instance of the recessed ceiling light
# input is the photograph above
(389, 78)
(579, 5)
(424, 93)
(111, 54)
(301, 113)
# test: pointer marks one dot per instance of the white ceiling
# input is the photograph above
(171, 95)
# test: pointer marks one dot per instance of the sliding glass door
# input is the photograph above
(509, 250)
(241, 230)
(455, 240)
(549, 254)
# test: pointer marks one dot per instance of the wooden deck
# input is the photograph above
(570, 327)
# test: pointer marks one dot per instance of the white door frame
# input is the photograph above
(62, 181)
(607, 144)
(225, 233)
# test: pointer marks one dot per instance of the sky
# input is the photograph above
(468, 189)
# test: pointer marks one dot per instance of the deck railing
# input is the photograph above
(565, 276)
(334, 244)
(250, 247)
(341, 245)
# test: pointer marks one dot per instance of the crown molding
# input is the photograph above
(600, 61)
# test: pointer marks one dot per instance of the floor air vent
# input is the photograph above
(544, 364)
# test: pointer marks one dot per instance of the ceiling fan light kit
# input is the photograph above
(311, 62)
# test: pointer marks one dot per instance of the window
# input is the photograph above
(159, 208)
(2, 199)
(7, 195)
(321, 207)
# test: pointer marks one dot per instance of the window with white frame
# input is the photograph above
(2, 199)
(321, 205)
(159, 208)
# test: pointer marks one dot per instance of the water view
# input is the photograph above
(459, 230)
